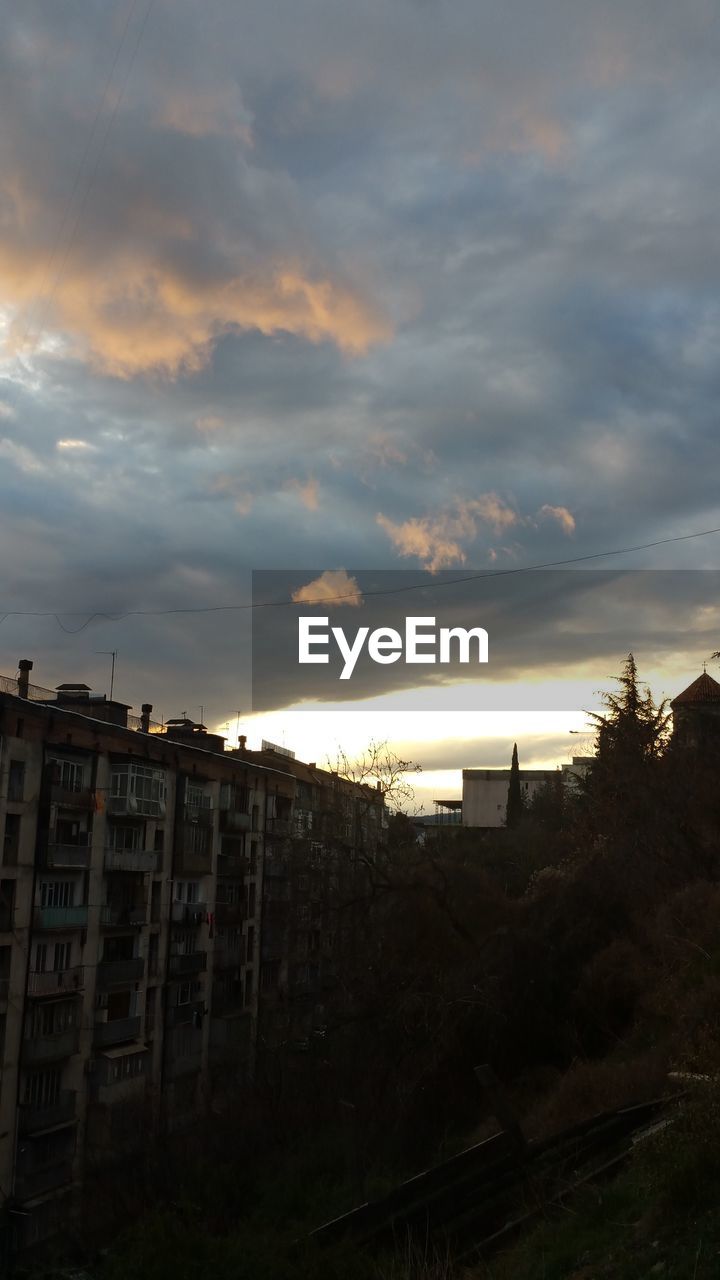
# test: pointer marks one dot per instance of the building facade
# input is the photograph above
(131, 887)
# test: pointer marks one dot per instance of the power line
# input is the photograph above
(350, 595)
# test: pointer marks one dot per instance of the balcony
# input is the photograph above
(192, 862)
(120, 973)
(183, 1065)
(35, 1119)
(36, 1182)
(229, 913)
(138, 860)
(60, 917)
(232, 864)
(179, 1015)
(119, 1031)
(61, 983)
(74, 856)
(135, 807)
(278, 826)
(53, 1048)
(192, 962)
(234, 820)
(112, 917)
(225, 957)
(192, 913)
(200, 815)
(72, 798)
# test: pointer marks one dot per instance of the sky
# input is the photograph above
(300, 285)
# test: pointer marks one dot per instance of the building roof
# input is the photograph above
(704, 689)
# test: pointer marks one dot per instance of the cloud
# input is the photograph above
(564, 517)
(308, 491)
(146, 315)
(437, 541)
(333, 586)
(234, 487)
(75, 445)
(384, 450)
(209, 423)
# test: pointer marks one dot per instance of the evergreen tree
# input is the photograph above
(624, 787)
(513, 812)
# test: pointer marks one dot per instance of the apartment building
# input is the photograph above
(131, 886)
(322, 835)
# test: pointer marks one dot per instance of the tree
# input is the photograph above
(514, 809)
(624, 789)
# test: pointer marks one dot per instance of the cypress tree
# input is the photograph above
(513, 812)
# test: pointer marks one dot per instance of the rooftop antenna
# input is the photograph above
(110, 653)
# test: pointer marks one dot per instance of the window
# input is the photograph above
(42, 1088)
(187, 891)
(61, 959)
(57, 893)
(255, 817)
(7, 903)
(248, 986)
(16, 780)
(159, 841)
(11, 839)
(251, 900)
(129, 837)
(197, 840)
(146, 786)
(250, 944)
(155, 902)
(69, 774)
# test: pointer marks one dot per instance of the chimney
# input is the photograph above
(145, 717)
(242, 739)
(25, 666)
(312, 764)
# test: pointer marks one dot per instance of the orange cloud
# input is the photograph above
(214, 111)
(564, 517)
(155, 302)
(242, 499)
(438, 540)
(334, 585)
(308, 491)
